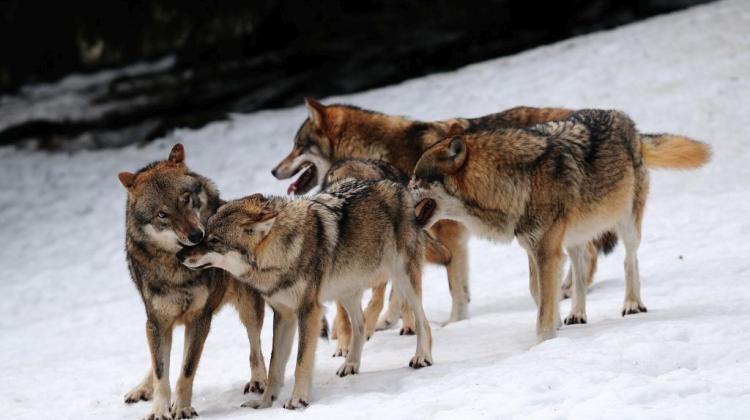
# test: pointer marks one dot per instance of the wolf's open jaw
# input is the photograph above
(424, 210)
(304, 181)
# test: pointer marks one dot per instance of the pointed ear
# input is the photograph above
(177, 155)
(317, 112)
(457, 152)
(127, 179)
(455, 129)
(263, 226)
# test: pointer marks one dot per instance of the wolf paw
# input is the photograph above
(295, 403)
(384, 324)
(633, 307)
(575, 318)
(341, 351)
(255, 386)
(159, 415)
(348, 368)
(256, 404)
(406, 331)
(184, 413)
(420, 361)
(138, 394)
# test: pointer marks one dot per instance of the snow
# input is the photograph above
(71, 324)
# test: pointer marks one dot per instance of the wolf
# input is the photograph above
(552, 186)
(301, 252)
(435, 252)
(167, 209)
(336, 132)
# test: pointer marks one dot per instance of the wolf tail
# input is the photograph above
(671, 151)
(435, 251)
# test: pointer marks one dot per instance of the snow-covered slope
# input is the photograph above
(71, 323)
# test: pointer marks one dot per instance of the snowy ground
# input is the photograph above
(71, 323)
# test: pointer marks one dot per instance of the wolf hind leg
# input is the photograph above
(579, 267)
(352, 304)
(375, 306)
(407, 281)
(392, 314)
(629, 230)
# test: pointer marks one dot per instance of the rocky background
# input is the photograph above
(143, 68)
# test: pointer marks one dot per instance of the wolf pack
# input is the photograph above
(394, 194)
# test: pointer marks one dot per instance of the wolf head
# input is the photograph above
(167, 204)
(312, 153)
(235, 234)
(433, 182)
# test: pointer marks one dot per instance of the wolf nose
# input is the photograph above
(195, 236)
(274, 172)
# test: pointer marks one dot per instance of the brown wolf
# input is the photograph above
(435, 252)
(552, 186)
(301, 252)
(337, 132)
(167, 208)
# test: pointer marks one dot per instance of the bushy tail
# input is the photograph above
(671, 151)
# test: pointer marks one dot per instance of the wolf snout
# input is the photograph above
(195, 236)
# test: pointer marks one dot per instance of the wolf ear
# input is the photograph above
(177, 155)
(127, 179)
(455, 129)
(263, 226)
(317, 112)
(457, 152)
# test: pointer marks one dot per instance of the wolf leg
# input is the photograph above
(143, 391)
(407, 281)
(284, 323)
(579, 266)
(629, 230)
(196, 332)
(375, 306)
(251, 308)
(455, 237)
(354, 357)
(343, 331)
(309, 325)
(547, 255)
(159, 334)
(392, 314)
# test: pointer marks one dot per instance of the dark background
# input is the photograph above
(241, 56)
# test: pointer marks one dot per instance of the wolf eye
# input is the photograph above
(161, 215)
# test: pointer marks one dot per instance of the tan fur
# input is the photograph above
(674, 152)
(338, 132)
(555, 185)
(167, 204)
(302, 252)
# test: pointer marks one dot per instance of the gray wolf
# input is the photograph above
(167, 209)
(301, 252)
(553, 185)
(337, 132)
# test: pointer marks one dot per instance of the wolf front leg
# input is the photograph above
(196, 332)
(375, 306)
(308, 317)
(143, 391)
(251, 308)
(547, 257)
(159, 334)
(284, 322)
(455, 237)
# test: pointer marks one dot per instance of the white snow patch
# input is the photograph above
(71, 324)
